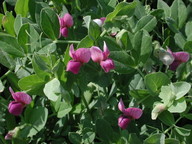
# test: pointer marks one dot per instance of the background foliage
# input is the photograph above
(82, 108)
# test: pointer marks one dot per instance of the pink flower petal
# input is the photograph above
(123, 122)
(61, 22)
(64, 32)
(15, 108)
(134, 113)
(96, 54)
(72, 51)
(8, 136)
(181, 56)
(83, 55)
(121, 105)
(106, 51)
(11, 91)
(174, 65)
(73, 66)
(22, 97)
(103, 19)
(68, 20)
(107, 65)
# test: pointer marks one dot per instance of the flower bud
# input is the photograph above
(157, 110)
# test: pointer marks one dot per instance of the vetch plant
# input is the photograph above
(71, 62)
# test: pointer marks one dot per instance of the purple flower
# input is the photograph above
(65, 22)
(79, 57)
(128, 115)
(101, 57)
(21, 100)
(179, 57)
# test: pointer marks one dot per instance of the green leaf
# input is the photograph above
(8, 23)
(1, 86)
(187, 46)
(188, 30)
(178, 106)
(94, 30)
(18, 23)
(166, 94)
(133, 139)
(146, 22)
(142, 46)
(122, 8)
(171, 141)
(183, 131)
(143, 96)
(104, 130)
(140, 10)
(48, 49)
(172, 24)
(38, 7)
(88, 137)
(179, 12)
(22, 7)
(27, 38)
(123, 62)
(1, 18)
(155, 81)
(9, 44)
(41, 63)
(167, 118)
(64, 109)
(31, 83)
(163, 5)
(180, 40)
(41, 73)
(155, 139)
(74, 138)
(37, 117)
(53, 89)
(49, 23)
(180, 89)
(6, 60)
(123, 39)
(86, 42)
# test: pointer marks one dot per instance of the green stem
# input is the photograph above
(85, 102)
(7, 73)
(172, 125)
(3, 139)
(51, 115)
(140, 72)
(4, 7)
(66, 41)
(103, 33)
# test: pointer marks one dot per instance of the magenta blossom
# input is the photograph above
(102, 57)
(128, 115)
(21, 100)
(179, 57)
(79, 57)
(65, 22)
